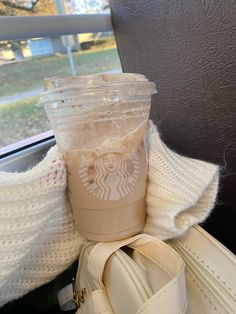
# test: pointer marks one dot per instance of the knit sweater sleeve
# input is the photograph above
(38, 239)
(181, 191)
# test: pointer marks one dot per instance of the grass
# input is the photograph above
(23, 76)
(22, 119)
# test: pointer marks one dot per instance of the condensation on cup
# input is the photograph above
(100, 124)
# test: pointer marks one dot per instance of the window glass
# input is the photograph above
(23, 66)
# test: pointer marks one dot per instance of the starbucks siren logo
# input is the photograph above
(110, 176)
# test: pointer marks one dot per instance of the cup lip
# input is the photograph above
(94, 82)
(60, 100)
(112, 87)
(94, 79)
(115, 86)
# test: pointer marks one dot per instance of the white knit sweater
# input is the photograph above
(37, 235)
(181, 191)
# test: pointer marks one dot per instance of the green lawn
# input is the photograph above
(20, 120)
(23, 76)
(23, 118)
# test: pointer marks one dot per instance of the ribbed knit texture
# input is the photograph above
(181, 191)
(37, 235)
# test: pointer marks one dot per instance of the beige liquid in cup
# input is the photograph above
(107, 186)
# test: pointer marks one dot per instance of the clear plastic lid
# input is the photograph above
(103, 88)
(109, 93)
(57, 82)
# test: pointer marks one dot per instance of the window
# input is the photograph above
(32, 48)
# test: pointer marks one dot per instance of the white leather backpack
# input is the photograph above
(210, 273)
(146, 277)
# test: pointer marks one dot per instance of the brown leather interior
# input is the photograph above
(188, 48)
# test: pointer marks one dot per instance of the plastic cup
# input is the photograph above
(100, 124)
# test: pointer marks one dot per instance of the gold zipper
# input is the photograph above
(78, 295)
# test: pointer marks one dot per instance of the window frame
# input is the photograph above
(26, 27)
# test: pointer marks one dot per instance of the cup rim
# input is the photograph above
(113, 87)
(95, 78)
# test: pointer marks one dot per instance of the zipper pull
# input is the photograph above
(78, 296)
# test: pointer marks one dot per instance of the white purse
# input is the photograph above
(147, 278)
(210, 273)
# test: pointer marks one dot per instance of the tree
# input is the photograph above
(27, 7)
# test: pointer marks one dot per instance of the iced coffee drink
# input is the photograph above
(100, 124)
